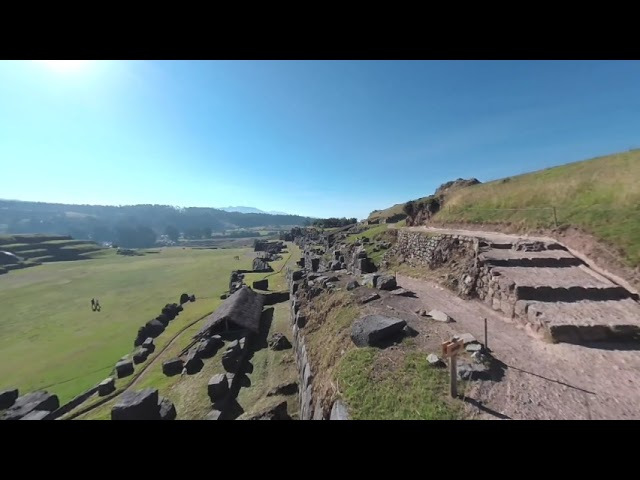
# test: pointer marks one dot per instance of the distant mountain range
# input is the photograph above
(251, 210)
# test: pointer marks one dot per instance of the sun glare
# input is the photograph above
(64, 65)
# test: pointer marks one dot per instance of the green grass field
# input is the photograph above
(189, 393)
(49, 337)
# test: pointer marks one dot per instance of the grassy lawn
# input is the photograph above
(56, 342)
(377, 388)
(189, 393)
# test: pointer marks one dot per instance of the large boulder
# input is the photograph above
(140, 355)
(8, 398)
(148, 345)
(167, 409)
(386, 282)
(218, 387)
(336, 265)
(193, 363)
(140, 405)
(261, 284)
(260, 265)
(374, 330)
(153, 329)
(353, 284)
(208, 347)
(370, 298)
(124, 368)
(370, 280)
(279, 342)
(107, 386)
(163, 319)
(184, 298)
(172, 367)
(24, 405)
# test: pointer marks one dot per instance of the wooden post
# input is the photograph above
(555, 217)
(486, 344)
(453, 373)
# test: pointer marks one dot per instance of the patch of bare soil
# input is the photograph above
(541, 380)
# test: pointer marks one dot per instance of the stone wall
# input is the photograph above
(310, 406)
(426, 250)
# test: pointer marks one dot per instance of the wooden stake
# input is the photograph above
(453, 373)
(486, 345)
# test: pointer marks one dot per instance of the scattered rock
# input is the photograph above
(279, 342)
(223, 296)
(473, 347)
(370, 298)
(172, 367)
(124, 368)
(153, 329)
(218, 387)
(467, 338)
(184, 298)
(140, 355)
(409, 332)
(401, 292)
(353, 284)
(370, 280)
(24, 405)
(439, 316)
(290, 388)
(213, 415)
(149, 345)
(372, 330)
(193, 363)
(230, 360)
(468, 371)
(208, 347)
(167, 409)
(339, 411)
(8, 398)
(434, 360)
(36, 415)
(140, 405)
(106, 386)
(192, 298)
(386, 282)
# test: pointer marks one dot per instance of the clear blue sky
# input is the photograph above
(319, 138)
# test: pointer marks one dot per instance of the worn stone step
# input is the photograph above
(583, 321)
(571, 294)
(517, 258)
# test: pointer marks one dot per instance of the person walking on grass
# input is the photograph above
(93, 304)
(98, 307)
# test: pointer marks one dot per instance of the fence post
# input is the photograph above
(555, 217)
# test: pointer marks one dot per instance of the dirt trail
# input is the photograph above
(542, 380)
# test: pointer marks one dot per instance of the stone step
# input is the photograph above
(543, 259)
(583, 321)
(570, 294)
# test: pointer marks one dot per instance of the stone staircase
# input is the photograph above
(555, 294)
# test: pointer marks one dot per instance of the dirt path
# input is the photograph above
(541, 381)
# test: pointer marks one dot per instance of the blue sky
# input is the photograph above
(319, 138)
